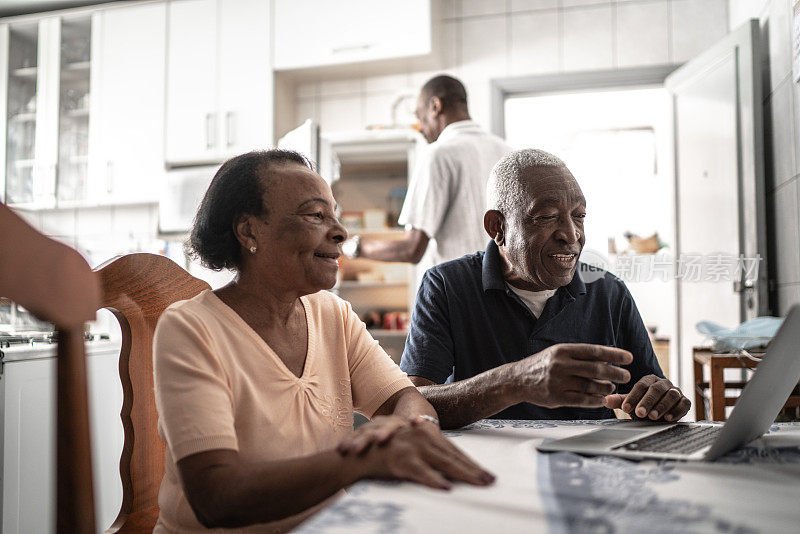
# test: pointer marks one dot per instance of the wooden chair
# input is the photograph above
(137, 288)
(74, 494)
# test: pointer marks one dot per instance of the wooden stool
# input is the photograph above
(716, 386)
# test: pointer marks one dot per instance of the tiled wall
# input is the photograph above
(100, 233)
(478, 40)
(781, 142)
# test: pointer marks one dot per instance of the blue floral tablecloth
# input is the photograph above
(755, 489)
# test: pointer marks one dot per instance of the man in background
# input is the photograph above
(443, 209)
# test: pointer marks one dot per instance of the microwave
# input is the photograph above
(181, 194)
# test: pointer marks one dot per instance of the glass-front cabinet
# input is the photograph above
(73, 110)
(46, 110)
(21, 104)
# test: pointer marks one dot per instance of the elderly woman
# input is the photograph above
(256, 382)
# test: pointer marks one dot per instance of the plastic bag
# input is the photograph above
(750, 334)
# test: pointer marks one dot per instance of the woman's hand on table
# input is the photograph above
(377, 431)
(393, 447)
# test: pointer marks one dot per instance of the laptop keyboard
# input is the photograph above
(680, 439)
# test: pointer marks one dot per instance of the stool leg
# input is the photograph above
(717, 387)
(699, 405)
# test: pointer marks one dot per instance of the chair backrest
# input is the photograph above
(137, 288)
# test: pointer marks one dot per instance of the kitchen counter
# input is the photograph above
(41, 350)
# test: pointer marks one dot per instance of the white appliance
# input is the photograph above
(307, 140)
(183, 190)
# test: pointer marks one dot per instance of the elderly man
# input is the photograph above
(516, 332)
(445, 200)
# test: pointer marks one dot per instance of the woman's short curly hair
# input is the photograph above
(237, 189)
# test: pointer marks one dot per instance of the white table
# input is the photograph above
(756, 489)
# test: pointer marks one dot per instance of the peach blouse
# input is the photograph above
(218, 385)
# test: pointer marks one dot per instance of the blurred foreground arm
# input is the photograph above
(49, 279)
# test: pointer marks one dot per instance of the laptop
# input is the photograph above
(762, 398)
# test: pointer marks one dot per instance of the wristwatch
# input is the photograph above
(352, 247)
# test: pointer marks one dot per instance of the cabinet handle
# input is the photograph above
(52, 180)
(352, 48)
(743, 286)
(109, 177)
(210, 131)
(229, 140)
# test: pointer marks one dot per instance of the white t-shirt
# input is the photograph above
(534, 300)
(447, 195)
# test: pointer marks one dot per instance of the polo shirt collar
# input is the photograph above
(492, 273)
(492, 269)
(576, 286)
(454, 128)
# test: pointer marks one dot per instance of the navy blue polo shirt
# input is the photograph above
(466, 321)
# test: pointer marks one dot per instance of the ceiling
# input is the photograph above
(10, 8)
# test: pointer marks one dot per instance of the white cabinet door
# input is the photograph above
(193, 126)
(28, 415)
(108, 434)
(349, 31)
(126, 145)
(29, 432)
(245, 76)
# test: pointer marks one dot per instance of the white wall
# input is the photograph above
(100, 233)
(478, 40)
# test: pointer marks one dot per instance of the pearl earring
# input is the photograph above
(253, 249)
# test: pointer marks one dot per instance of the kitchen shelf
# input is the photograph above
(23, 117)
(384, 333)
(76, 72)
(78, 113)
(28, 73)
(376, 232)
(355, 284)
(78, 66)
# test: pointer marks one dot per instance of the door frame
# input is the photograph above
(572, 82)
(587, 81)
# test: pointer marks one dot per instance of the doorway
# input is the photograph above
(617, 143)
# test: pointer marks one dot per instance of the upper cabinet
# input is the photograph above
(349, 31)
(219, 80)
(126, 145)
(46, 70)
(84, 107)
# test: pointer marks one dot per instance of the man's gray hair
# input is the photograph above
(505, 191)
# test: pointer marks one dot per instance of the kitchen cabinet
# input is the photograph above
(126, 143)
(46, 94)
(349, 31)
(28, 418)
(219, 80)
